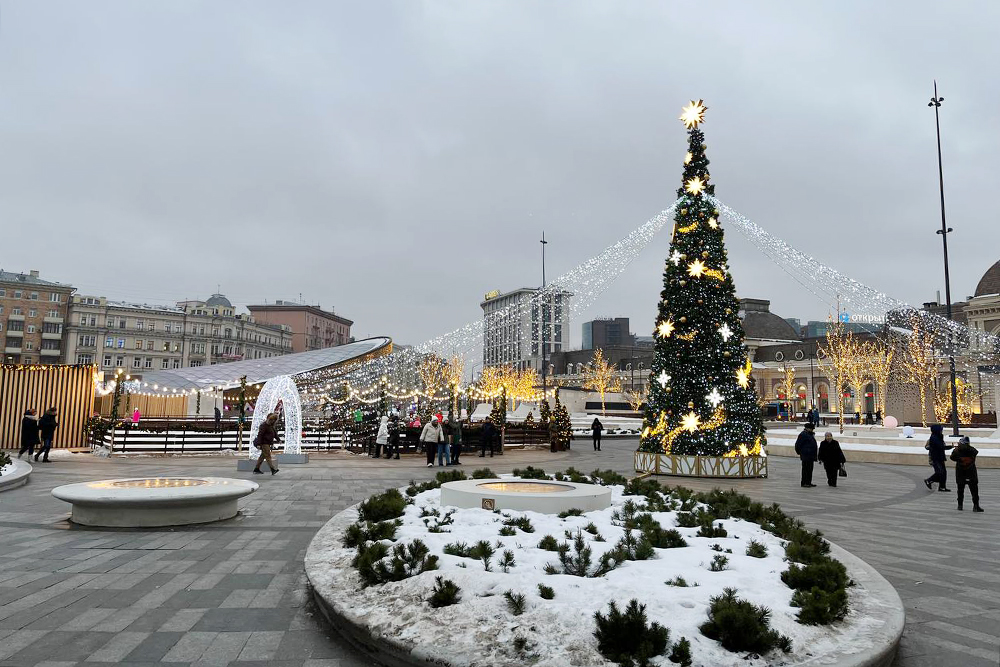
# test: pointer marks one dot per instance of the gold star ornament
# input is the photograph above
(690, 422)
(695, 186)
(696, 268)
(693, 114)
(665, 328)
(688, 157)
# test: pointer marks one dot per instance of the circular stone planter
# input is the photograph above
(154, 501)
(15, 475)
(542, 496)
(876, 609)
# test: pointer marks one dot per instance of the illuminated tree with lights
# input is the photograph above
(701, 394)
(839, 358)
(637, 397)
(878, 360)
(967, 399)
(919, 363)
(787, 386)
(601, 376)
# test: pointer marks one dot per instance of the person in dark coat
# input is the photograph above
(964, 457)
(832, 457)
(486, 438)
(393, 446)
(805, 447)
(47, 426)
(456, 437)
(596, 429)
(267, 435)
(29, 433)
(218, 419)
(936, 448)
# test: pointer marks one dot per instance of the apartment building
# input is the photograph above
(32, 316)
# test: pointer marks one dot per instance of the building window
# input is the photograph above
(119, 361)
(15, 311)
(149, 362)
(177, 363)
(107, 360)
(137, 362)
(31, 328)
(138, 343)
(54, 328)
(51, 345)
(18, 294)
(87, 341)
(33, 296)
(55, 298)
(109, 341)
(140, 325)
(29, 345)
(93, 320)
(55, 313)
(121, 343)
(3, 292)
(166, 346)
(32, 313)
(149, 344)
(164, 363)
(85, 359)
(121, 323)
(167, 327)
(177, 347)
(195, 364)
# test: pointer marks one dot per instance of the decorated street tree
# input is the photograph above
(564, 425)
(601, 376)
(701, 394)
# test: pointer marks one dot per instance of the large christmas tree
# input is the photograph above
(701, 395)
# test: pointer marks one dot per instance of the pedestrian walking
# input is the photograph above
(136, 416)
(936, 448)
(382, 437)
(456, 438)
(218, 419)
(486, 438)
(832, 458)
(393, 447)
(596, 427)
(964, 457)
(431, 435)
(29, 433)
(267, 435)
(47, 426)
(805, 447)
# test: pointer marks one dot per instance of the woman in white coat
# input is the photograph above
(382, 438)
(431, 436)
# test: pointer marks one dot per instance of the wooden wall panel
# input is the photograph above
(69, 389)
(149, 406)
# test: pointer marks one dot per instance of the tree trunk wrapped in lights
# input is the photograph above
(920, 365)
(602, 377)
(701, 393)
(840, 359)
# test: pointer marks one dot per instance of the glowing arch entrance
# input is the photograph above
(283, 389)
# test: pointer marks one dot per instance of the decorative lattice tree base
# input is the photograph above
(742, 467)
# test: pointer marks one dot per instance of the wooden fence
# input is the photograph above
(68, 389)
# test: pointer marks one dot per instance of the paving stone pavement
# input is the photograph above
(234, 592)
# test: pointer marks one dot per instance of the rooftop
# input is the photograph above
(30, 278)
(990, 282)
(290, 306)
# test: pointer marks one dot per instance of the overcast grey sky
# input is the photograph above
(396, 160)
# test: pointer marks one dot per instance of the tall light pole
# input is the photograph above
(944, 231)
(544, 303)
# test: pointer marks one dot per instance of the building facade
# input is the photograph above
(607, 332)
(520, 328)
(143, 337)
(312, 327)
(32, 318)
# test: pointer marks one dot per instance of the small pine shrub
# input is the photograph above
(483, 551)
(681, 653)
(376, 566)
(530, 473)
(631, 547)
(591, 528)
(719, 563)
(360, 532)
(460, 549)
(437, 523)
(756, 549)
(506, 561)
(546, 592)
(446, 476)
(515, 602)
(678, 581)
(741, 626)
(522, 522)
(551, 568)
(483, 473)
(606, 477)
(384, 506)
(627, 638)
(574, 475)
(520, 644)
(444, 593)
(717, 547)
(570, 512)
(686, 520)
(654, 533)
(826, 574)
(413, 489)
(508, 531)
(548, 543)
(709, 530)
(577, 563)
(820, 607)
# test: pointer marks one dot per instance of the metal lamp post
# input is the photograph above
(544, 303)
(944, 231)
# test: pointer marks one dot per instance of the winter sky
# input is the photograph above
(397, 160)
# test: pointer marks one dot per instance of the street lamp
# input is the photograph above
(944, 231)
(544, 303)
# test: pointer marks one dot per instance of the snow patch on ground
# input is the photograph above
(480, 631)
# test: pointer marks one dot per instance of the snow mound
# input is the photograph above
(480, 630)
